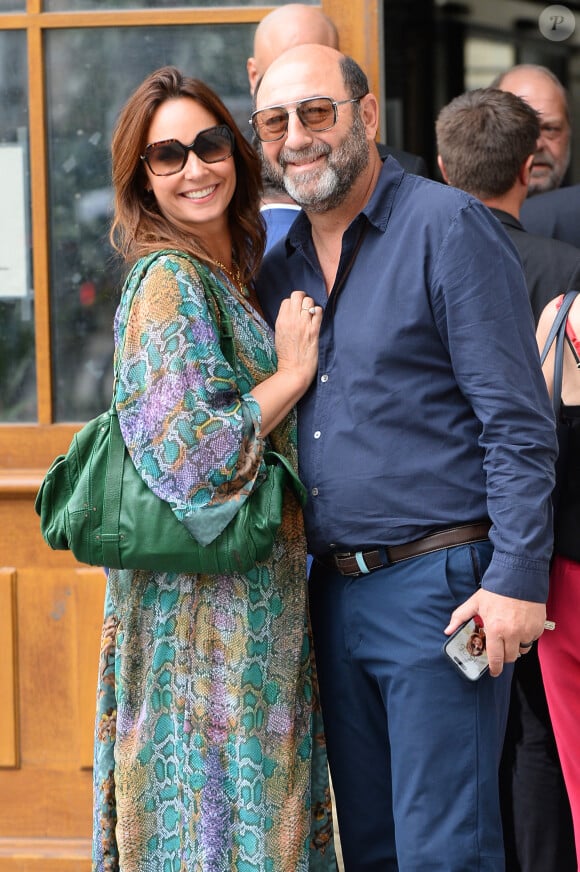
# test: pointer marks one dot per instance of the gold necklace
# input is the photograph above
(235, 278)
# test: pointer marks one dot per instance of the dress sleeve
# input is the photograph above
(193, 437)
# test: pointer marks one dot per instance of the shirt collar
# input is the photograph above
(377, 210)
(507, 218)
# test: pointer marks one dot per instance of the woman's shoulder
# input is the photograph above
(169, 268)
(550, 310)
(168, 259)
(161, 283)
(549, 313)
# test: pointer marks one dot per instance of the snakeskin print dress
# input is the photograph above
(209, 750)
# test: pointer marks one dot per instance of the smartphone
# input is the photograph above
(466, 649)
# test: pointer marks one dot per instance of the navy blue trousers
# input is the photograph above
(413, 746)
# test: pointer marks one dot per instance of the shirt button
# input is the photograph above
(324, 378)
(314, 491)
(317, 434)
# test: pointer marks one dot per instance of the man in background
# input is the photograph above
(556, 213)
(544, 92)
(486, 142)
(287, 26)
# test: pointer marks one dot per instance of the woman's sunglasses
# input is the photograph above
(170, 156)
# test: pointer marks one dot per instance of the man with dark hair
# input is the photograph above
(486, 142)
(428, 458)
(539, 87)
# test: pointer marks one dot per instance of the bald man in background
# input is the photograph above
(557, 212)
(288, 26)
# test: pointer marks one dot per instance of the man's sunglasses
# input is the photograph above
(170, 156)
(315, 113)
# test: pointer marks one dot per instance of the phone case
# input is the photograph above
(466, 649)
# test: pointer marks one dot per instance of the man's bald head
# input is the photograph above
(287, 26)
(539, 87)
(313, 67)
(324, 158)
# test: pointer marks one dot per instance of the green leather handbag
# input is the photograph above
(94, 503)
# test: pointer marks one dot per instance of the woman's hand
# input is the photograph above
(296, 330)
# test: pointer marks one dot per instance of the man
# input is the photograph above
(296, 24)
(539, 87)
(558, 214)
(287, 26)
(428, 416)
(486, 141)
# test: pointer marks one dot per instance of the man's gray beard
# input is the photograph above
(554, 178)
(333, 183)
(272, 179)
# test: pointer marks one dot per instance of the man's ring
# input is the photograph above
(527, 644)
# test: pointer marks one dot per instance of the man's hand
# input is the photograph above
(510, 625)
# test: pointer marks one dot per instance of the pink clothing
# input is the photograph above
(559, 652)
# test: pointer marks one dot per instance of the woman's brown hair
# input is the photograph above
(138, 226)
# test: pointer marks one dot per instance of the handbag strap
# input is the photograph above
(110, 536)
(558, 333)
(213, 296)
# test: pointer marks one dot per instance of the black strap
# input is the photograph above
(558, 333)
(339, 286)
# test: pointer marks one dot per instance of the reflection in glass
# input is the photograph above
(17, 358)
(76, 5)
(12, 5)
(86, 277)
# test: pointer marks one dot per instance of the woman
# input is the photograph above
(558, 650)
(208, 728)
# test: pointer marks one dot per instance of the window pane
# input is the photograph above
(17, 357)
(82, 106)
(485, 59)
(12, 5)
(76, 5)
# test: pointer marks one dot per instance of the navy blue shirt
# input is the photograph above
(429, 408)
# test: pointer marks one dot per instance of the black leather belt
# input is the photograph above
(362, 562)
